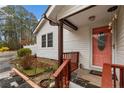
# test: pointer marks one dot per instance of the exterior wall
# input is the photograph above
(48, 52)
(81, 41)
(33, 48)
(120, 37)
(73, 41)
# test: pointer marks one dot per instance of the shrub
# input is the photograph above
(3, 44)
(23, 52)
(26, 61)
(4, 49)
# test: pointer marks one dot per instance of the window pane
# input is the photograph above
(50, 39)
(43, 40)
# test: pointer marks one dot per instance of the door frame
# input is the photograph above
(93, 67)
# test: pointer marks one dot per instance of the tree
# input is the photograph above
(19, 26)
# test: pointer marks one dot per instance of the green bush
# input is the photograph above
(4, 49)
(3, 44)
(23, 52)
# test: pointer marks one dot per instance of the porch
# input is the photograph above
(112, 75)
(91, 19)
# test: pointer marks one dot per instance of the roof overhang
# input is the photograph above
(51, 14)
(78, 15)
(99, 12)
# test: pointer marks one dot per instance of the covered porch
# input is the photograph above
(79, 22)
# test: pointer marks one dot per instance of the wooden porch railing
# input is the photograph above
(74, 59)
(62, 75)
(107, 81)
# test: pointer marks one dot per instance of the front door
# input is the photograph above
(102, 46)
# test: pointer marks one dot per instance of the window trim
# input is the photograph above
(44, 41)
(51, 39)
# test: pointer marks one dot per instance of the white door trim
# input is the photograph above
(91, 49)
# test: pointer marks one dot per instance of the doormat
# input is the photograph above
(99, 73)
(84, 83)
(94, 72)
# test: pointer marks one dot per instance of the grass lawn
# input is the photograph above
(33, 71)
(44, 65)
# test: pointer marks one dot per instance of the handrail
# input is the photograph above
(57, 72)
(107, 75)
(62, 75)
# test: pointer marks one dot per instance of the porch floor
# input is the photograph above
(94, 81)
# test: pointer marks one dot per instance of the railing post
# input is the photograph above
(106, 76)
(121, 78)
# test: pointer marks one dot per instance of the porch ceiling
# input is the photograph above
(100, 13)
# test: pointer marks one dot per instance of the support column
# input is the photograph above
(60, 42)
(60, 52)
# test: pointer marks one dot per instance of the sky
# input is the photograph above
(37, 10)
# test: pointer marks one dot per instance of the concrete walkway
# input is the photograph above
(5, 66)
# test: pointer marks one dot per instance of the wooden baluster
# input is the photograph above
(67, 79)
(56, 82)
(121, 78)
(69, 70)
(64, 77)
(63, 55)
(114, 69)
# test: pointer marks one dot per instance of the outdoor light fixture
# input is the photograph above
(92, 18)
(113, 8)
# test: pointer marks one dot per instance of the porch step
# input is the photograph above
(82, 81)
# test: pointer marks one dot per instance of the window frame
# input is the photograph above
(45, 41)
(50, 39)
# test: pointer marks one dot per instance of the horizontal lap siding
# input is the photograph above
(33, 48)
(48, 52)
(81, 41)
(73, 41)
(120, 37)
(78, 41)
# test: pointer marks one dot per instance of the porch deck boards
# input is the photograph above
(93, 79)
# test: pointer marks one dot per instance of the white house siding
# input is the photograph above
(48, 52)
(33, 48)
(81, 41)
(120, 37)
(73, 41)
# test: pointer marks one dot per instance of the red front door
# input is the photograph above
(102, 46)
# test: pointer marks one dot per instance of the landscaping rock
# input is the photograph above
(13, 82)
